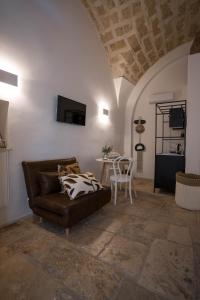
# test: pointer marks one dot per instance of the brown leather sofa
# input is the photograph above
(57, 207)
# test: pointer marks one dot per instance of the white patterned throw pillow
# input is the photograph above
(76, 185)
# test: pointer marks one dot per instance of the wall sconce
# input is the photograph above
(8, 78)
(105, 112)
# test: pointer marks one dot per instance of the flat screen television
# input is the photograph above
(70, 111)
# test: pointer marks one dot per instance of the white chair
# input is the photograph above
(123, 173)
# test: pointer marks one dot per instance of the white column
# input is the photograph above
(193, 115)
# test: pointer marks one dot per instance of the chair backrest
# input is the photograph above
(123, 164)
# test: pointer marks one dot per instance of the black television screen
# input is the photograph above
(70, 111)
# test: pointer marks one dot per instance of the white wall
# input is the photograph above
(161, 64)
(193, 120)
(53, 47)
(3, 118)
(172, 78)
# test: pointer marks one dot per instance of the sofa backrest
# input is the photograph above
(32, 169)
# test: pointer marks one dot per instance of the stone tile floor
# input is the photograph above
(149, 250)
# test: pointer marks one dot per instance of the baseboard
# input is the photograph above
(145, 178)
(16, 220)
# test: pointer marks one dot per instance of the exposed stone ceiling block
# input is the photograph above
(136, 33)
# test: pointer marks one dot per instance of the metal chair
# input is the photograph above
(123, 173)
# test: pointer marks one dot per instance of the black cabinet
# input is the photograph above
(170, 133)
(166, 167)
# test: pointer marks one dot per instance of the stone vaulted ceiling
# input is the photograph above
(136, 33)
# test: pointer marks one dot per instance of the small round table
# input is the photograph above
(105, 169)
(106, 164)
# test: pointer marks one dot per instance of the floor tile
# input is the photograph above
(14, 232)
(179, 234)
(138, 211)
(110, 224)
(37, 243)
(80, 272)
(5, 253)
(184, 217)
(119, 252)
(90, 239)
(157, 229)
(143, 184)
(125, 254)
(23, 280)
(198, 217)
(195, 233)
(134, 230)
(130, 290)
(197, 270)
(169, 271)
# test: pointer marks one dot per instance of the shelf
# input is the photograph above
(164, 108)
(171, 154)
(170, 137)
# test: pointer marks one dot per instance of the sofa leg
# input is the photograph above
(67, 232)
(37, 219)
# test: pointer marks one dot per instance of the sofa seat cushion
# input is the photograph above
(56, 202)
(87, 204)
(77, 209)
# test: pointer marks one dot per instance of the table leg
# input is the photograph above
(102, 172)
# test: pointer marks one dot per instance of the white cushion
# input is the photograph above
(76, 185)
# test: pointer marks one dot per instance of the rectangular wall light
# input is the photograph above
(8, 78)
(105, 112)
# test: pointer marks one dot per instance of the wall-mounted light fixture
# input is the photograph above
(105, 112)
(9, 78)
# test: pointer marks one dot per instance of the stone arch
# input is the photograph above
(165, 61)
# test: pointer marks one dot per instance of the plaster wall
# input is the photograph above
(161, 64)
(173, 78)
(54, 49)
(193, 120)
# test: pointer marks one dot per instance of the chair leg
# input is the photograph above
(115, 200)
(67, 233)
(111, 186)
(107, 175)
(134, 191)
(130, 193)
(126, 189)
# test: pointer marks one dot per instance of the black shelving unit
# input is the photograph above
(166, 162)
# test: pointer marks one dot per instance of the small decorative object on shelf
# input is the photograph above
(106, 150)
